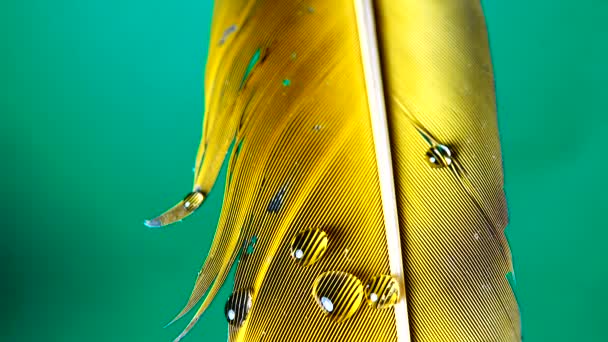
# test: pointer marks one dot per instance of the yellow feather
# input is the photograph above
(364, 196)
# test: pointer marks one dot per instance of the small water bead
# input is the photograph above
(382, 291)
(237, 307)
(193, 200)
(338, 294)
(439, 156)
(308, 246)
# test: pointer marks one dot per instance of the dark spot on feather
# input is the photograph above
(264, 55)
(277, 200)
(232, 28)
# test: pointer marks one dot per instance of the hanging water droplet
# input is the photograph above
(382, 291)
(308, 246)
(338, 294)
(193, 200)
(237, 307)
(439, 156)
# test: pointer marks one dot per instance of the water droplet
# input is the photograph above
(193, 200)
(294, 55)
(286, 82)
(382, 291)
(308, 246)
(439, 156)
(316, 128)
(277, 200)
(237, 307)
(476, 236)
(310, 10)
(338, 294)
(227, 33)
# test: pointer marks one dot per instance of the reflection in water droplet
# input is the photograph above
(439, 156)
(382, 291)
(286, 82)
(299, 254)
(316, 128)
(237, 307)
(338, 294)
(193, 200)
(226, 33)
(277, 200)
(308, 246)
(327, 304)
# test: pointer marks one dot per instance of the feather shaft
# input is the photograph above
(375, 97)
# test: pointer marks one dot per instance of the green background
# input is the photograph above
(100, 107)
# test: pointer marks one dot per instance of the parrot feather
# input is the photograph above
(364, 196)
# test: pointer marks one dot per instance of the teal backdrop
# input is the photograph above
(101, 107)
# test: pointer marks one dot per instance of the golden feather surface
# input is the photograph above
(285, 84)
(452, 218)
